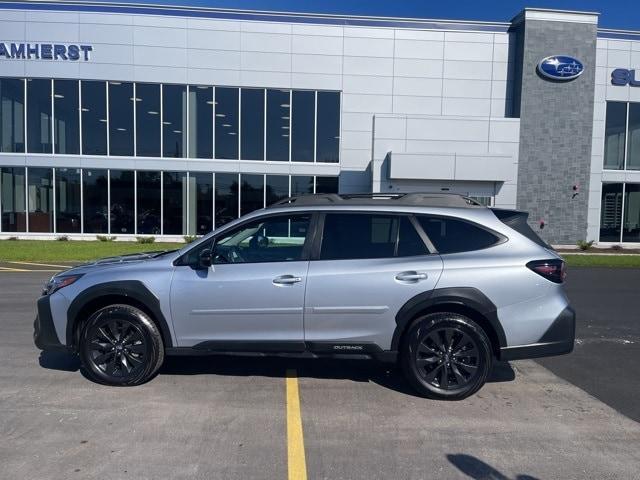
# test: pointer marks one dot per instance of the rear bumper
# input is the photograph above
(44, 332)
(557, 340)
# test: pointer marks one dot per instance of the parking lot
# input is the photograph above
(236, 417)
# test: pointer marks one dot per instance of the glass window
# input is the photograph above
(450, 235)
(174, 120)
(13, 199)
(227, 123)
(272, 239)
(148, 198)
(200, 122)
(120, 119)
(94, 118)
(11, 115)
(301, 185)
(277, 188)
(278, 110)
(68, 200)
(200, 203)
(174, 211)
(40, 199)
(326, 184)
(122, 202)
(252, 126)
(633, 148)
(615, 130)
(611, 212)
(328, 127)
(631, 230)
(302, 125)
(252, 193)
(66, 121)
(226, 198)
(355, 236)
(147, 120)
(39, 115)
(95, 199)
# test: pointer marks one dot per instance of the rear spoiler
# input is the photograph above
(517, 220)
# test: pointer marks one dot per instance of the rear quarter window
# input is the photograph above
(452, 235)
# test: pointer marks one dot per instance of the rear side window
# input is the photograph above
(451, 235)
(354, 236)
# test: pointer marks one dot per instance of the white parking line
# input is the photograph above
(41, 264)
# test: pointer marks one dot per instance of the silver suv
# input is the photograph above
(434, 282)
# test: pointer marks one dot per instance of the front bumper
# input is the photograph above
(44, 332)
(557, 340)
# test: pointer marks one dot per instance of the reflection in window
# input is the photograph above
(277, 188)
(302, 125)
(120, 119)
(328, 125)
(278, 111)
(301, 185)
(122, 201)
(40, 199)
(633, 148)
(147, 120)
(174, 205)
(12, 186)
(252, 193)
(200, 203)
(95, 199)
(614, 140)
(611, 212)
(631, 230)
(226, 198)
(148, 191)
(174, 120)
(68, 200)
(66, 109)
(252, 126)
(200, 122)
(39, 115)
(11, 115)
(94, 118)
(227, 123)
(326, 184)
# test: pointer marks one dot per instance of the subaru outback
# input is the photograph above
(434, 282)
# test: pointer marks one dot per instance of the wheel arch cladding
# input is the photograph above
(129, 292)
(467, 301)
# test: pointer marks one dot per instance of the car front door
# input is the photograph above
(252, 296)
(369, 265)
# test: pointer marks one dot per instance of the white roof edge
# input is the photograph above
(551, 15)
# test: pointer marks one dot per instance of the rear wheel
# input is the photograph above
(120, 345)
(446, 356)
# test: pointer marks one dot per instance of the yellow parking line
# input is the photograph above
(41, 264)
(295, 439)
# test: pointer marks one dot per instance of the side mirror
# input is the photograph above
(204, 261)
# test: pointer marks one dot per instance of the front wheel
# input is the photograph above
(446, 356)
(120, 345)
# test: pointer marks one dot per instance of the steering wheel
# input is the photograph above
(228, 254)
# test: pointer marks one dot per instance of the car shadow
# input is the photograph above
(478, 470)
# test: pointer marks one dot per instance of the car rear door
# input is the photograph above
(366, 267)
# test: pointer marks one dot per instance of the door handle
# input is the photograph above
(286, 280)
(411, 276)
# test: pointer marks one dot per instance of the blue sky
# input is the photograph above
(622, 14)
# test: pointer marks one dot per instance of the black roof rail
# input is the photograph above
(388, 199)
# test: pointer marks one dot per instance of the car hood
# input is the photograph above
(117, 261)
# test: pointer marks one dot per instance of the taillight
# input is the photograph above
(550, 269)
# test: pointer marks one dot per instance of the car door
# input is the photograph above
(367, 267)
(252, 296)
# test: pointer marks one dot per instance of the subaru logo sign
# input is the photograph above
(560, 67)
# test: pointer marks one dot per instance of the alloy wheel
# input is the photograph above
(117, 348)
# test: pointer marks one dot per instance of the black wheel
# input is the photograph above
(446, 356)
(120, 345)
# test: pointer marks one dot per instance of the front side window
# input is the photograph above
(350, 236)
(272, 239)
(451, 235)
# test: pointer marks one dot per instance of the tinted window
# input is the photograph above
(94, 118)
(251, 193)
(328, 127)
(226, 197)
(13, 199)
(148, 191)
(227, 123)
(353, 236)
(68, 200)
(278, 109)
(252, 126)
(301, 185)
(147, 120)
(122, 201)
(200, 122)
(40, 199)
(450, 235)
(11, 115)
(66, 126)
(326, 184)
(200, 203)
(614, 135)
(273, 239)
(39, 115)
(302, 125)
(174, 120)
(174, 208)
(611, 212)
(95, 197)
(120, 118)
(277, 188)
(633, 141)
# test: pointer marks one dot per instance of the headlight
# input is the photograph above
(56, 283)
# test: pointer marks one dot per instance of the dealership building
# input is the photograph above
(127, 119)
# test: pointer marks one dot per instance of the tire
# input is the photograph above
(442, 373)
(120, 345)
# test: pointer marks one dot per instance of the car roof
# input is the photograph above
(379, 199)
